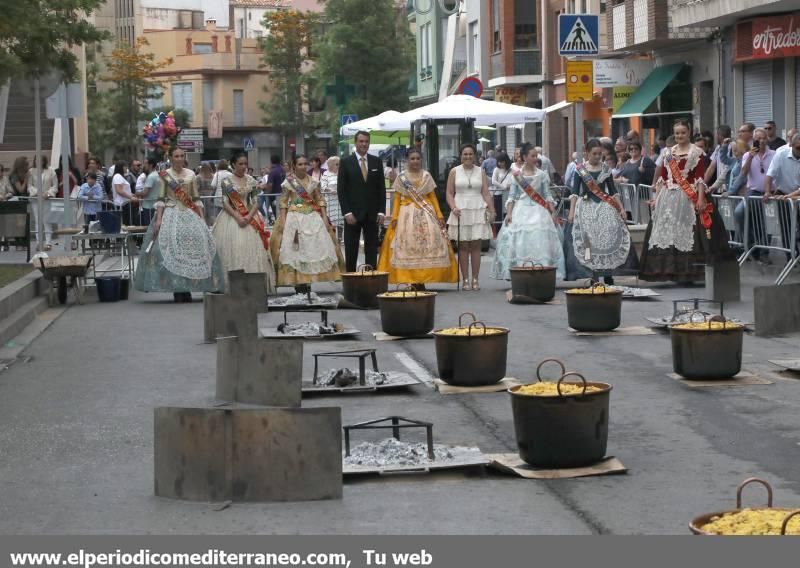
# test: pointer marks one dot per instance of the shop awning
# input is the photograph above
(651, 87)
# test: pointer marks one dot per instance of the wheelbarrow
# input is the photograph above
(58, 268)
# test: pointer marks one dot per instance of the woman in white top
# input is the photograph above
(223, 173)
(328, 185)
(501, 185)
(471, 212)
(123, 195)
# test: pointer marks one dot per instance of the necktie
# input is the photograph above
(364, 168)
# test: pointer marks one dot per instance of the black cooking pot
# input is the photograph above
(535, 281)
(595, 311)
(472, 360)
(707, 353)
(408, 315)
(562, 431)
(362, 287)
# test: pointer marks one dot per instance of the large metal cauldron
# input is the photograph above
(534, 281)
(698, 523)
(562, 431)
(707, 353)
(362, 287)
(598, 311)
(475, 359)
(407, 315)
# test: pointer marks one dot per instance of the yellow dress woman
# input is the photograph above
(416, 249)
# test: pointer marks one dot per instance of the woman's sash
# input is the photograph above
(303, 194)
(694, 197)
(594, 188)
(528, 188)
(420, 202)
(256, 221)
(180, 193)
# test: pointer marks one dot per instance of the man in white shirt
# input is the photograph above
(547, 165)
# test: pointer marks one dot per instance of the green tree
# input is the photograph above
(114, 121)
(286, 59)
(367, 43)
(39, 35)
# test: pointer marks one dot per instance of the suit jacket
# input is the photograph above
(364, 199)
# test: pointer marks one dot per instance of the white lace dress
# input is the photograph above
(473, 223)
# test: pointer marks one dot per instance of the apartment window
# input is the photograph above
(182, 97)
(208, 99)
(524, 24)
(474, 49)
(570, 6)
(583, 7)
(156, 100)
(238, 108)
(602, 6)
(425, 44)
(497, 42)
(200, 48)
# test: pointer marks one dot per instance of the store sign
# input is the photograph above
(191, 140)
(511, 95)
(768, 38)
(621, 72)
(620, 95)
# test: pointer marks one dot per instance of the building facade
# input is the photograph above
(212, 70)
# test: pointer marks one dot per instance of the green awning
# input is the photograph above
(651, 87)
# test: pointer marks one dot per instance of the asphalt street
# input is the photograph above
(76, 427)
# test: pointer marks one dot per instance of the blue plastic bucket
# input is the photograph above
(110, 221)
(108, 288)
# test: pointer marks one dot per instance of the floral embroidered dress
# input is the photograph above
(676, 244)
(242, 248)
(415, 249)
(303, 249)
(531, 236)
(184, 256)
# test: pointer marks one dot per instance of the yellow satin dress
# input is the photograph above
(414, 249)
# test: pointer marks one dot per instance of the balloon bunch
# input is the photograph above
(161, 133)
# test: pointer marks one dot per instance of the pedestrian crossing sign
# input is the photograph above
(578, 34)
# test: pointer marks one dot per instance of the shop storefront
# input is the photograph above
(767, 57)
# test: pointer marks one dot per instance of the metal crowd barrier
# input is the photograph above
(644, 195)
(772, 227)
(630, 201)
(726, 205)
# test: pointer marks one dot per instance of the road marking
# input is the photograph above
(415, 368)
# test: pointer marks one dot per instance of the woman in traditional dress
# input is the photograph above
(304, 245)
(685, 230)
(529, 233)
(471, 214)
(416, 248)
(241, 235)
(179, 253)
(599, 233)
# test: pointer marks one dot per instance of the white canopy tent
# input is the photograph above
(453, 107)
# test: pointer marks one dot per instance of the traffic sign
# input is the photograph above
(578, 34)
(249, 144)
(349, 119)
(579, 81)
(471, 86)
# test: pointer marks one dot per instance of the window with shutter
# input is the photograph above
(238, 108)
(208, 99)
(758, 92)
(796, 93)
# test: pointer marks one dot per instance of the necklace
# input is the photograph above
(469, 179)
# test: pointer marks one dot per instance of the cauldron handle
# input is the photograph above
(407, 288)
(553, 360)
(474, 319)
(718, 319)
(786, 521)
(748, 482)
(363, 268)
(475, 324)
(565, 375)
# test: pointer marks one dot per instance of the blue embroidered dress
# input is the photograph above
(532, 235)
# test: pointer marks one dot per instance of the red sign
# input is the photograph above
(768, 38)
(471, 86)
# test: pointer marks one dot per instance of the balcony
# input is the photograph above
(707, 13)
(650, 24)
(527, 62)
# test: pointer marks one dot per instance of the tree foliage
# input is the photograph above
(286, 60)
(130, 69)
(369, 44)
(38, 35)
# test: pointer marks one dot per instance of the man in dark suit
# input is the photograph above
(362, 196)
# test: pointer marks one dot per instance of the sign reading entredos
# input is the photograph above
(768, 38)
